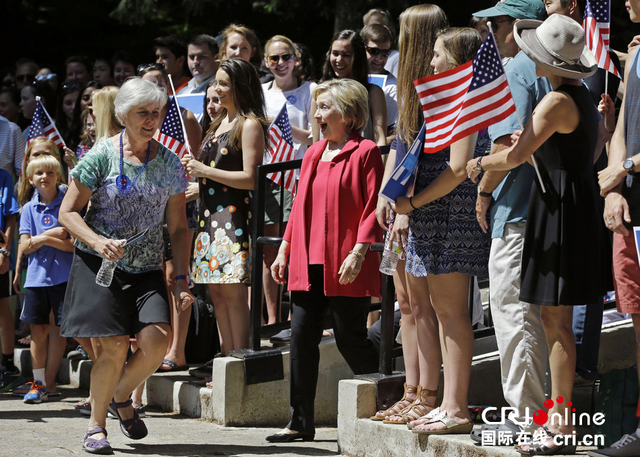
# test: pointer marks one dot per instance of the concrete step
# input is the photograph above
(360, 436)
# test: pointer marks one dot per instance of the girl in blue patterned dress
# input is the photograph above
(232, 148)
(446, 246)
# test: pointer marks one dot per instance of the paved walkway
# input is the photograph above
(55, 428)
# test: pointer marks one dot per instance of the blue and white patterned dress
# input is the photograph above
(444, 235)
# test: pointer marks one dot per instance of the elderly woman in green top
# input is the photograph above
(131, 183)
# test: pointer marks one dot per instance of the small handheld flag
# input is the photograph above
(597, 15)
(43, 126)
(171, 133)
(466, 99)
(280, 146)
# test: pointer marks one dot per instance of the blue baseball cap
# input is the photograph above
(517, 9)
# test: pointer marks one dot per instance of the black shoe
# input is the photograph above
(288, 437)
(283, 337)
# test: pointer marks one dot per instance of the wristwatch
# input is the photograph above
(5, 253)
(484, 194)
(628, 166)
(479, 164)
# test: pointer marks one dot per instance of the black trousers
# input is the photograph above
(349, 316)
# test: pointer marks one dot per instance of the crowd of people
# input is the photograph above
(114, 228)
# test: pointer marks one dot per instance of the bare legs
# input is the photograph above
(557, 323)
(420, 343)
(111, 377)
(448, 295)
(47, 351)
(232, 314)
(179, 322)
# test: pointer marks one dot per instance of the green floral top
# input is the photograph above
(116, 215)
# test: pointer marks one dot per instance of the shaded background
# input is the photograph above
(51, 30)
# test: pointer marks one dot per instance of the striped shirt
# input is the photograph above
(11, 148)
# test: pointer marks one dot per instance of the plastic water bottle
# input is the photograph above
(390, 259)
(105, 274)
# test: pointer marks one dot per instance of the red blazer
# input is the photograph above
(354, 179)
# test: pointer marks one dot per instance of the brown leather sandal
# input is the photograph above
(398, 406)
(418, 408)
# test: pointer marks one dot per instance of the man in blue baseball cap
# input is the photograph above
(522, 344)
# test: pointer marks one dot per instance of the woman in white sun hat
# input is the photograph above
(559, 261)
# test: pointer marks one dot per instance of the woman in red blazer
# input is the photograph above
(326, 245)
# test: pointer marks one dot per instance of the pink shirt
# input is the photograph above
(314, 206)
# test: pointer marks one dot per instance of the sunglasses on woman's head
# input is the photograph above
(275, 58)
(147, 66)
(377, 51)
(48, 77)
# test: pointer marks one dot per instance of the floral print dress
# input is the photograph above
(221, 254)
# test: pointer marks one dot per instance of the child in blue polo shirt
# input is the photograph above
(50, 251)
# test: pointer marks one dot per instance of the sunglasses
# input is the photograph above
(49, 77)
(26, 77)
(377, 51)
(497, 23)
(275, 58)
(146, 66)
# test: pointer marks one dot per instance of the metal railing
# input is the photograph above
(258, 241)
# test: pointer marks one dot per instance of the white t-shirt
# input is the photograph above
(390, 90)
(298, 108)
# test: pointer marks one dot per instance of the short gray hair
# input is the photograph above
(136, 91)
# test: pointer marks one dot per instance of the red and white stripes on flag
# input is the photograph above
(280, 147)
(171, 133)
(466, 99)
(596, 33)
(43, 126)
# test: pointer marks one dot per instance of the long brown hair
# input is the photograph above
(418, 28)
(248, 98)
(460, 44)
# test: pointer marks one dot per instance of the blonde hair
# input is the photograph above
(351, 99)
(104, 111)
(280, 39)
(460, 44)
(418, 28)
(25, 191)
(46, 163)
(249, 35)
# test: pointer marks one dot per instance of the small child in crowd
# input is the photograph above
(50, 251)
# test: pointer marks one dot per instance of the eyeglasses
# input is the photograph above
(497, 23)
(377, 51)
(49, 77)
(146, 66)
(25, 78)
(275, 58)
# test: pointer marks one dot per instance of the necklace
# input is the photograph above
(122, 181)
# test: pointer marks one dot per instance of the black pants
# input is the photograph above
(349, 316)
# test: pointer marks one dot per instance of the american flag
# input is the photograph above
(466, 99)
(171, 133)
(281, 148)
(42, 126)
(596, 33)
